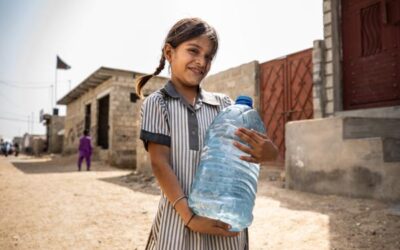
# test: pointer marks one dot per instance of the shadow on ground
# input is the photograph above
(137, 182)
(354, 223)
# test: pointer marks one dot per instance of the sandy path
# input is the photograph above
(49, 205)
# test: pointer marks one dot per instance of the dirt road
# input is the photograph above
(47, 204)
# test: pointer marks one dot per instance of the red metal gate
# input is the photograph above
(286, 94)
(371, 53)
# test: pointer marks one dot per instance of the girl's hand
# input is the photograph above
(210, 226)
(262, 149)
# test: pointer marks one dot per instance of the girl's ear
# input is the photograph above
(168, 50)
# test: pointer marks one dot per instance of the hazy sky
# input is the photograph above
(128, 34)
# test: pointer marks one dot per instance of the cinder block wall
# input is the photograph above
(241, 80)
(56, 124)
(75, 117)
(125, 117)
(327, 90)
(332, 86)
(122, 117)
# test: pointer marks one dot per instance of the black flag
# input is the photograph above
(61, 64)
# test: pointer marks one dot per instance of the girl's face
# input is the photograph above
(190, 61)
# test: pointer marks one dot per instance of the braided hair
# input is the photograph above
(184, 30)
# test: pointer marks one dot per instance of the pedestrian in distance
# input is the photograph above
(174, 121)
(85, 150)
(2, 147)
(6, 148)
(16, 149)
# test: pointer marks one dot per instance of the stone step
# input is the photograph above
(360, 127)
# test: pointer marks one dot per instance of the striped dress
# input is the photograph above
(168, 119)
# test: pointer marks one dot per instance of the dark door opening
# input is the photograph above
(87, 117)
(102, 121)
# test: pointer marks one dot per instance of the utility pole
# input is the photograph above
(33, 121)
(29, 122)
(52, 99)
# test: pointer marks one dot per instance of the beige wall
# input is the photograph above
(123, 119)
(56, 124)
(240, 80)
(75, 117)
(346, 156)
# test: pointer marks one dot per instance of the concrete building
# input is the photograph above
(353, 147)
(54, 124)
(107, 105)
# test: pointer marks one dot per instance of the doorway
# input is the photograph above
(103, 122)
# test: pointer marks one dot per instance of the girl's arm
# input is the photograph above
(160, 162)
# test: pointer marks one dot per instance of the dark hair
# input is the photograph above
(184, 30)
(86, 132)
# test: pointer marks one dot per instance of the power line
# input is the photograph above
(25, 86)
(17, 120)
(29, 82)
(10, 101)
(12, 113)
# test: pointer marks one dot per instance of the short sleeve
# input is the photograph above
(223, 100)
(154, 121)
(227, 101)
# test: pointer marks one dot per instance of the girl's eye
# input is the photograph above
(193, 51)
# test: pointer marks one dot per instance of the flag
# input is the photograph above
(61, 64)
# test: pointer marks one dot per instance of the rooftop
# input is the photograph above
(96, 78)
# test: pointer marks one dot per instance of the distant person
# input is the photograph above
(2, 147)
(16, 149)
(5, 148)
(85, 150)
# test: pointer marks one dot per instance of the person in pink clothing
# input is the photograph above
(85, 150)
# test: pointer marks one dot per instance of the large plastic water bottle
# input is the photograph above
(224, 186)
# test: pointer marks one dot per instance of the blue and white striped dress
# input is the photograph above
(169, 120)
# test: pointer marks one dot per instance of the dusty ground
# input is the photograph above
(47, 204)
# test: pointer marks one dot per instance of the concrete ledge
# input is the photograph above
(320, 160)
(386, 112)
(362, 127)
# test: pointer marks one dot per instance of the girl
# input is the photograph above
(174, 122)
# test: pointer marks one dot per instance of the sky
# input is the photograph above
(128, 34)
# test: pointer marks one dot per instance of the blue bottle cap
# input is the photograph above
(245, 100)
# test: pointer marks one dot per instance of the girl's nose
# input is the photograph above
(201, 61)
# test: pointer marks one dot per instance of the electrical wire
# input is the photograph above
(25, 86)
(17, 120)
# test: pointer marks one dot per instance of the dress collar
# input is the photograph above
(204, 96)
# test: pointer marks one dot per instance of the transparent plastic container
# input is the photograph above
(224, 186)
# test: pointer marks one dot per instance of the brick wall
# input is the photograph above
(75, 117)
(332, 88)
(55, 141)
(125, 117)
(241, 80)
